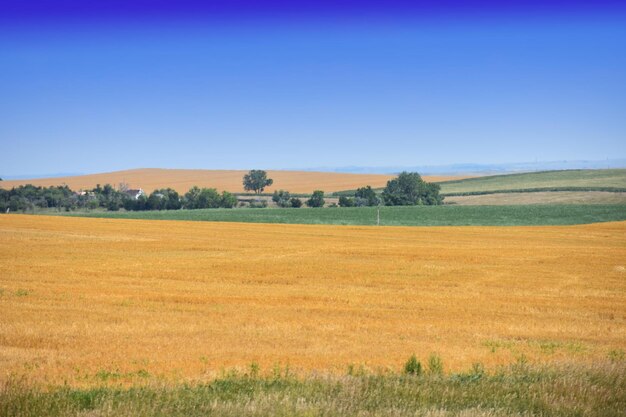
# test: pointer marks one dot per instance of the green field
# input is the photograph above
(519, 390)
(569, 180)
(393, 216)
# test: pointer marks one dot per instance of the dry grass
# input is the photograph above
(85, 300)
(548, 197)
(230, 180)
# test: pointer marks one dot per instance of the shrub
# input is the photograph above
(346, 201)
(258, 204)
(367, 195)
(228, 200)
(316, 200)
(295, 202)
(282, 198)
(413, 366)
(435, 364)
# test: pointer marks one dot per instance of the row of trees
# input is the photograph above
(284, 199)
(169, 199)
(30, 197)
(408, 189)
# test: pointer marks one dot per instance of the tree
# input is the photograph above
(316, 200)
(228, 200)
(346, 201)
(281, 198)
(190, 199)
(208, 198)
(295, 202)
(200, 198)
(367, 196)
(409, 189)
(163, 199)
(256, 180)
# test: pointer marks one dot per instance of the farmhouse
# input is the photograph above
(135, 193)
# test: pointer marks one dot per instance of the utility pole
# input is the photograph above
(377, 215)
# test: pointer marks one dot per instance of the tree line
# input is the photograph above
(407, 189)
(30, 197)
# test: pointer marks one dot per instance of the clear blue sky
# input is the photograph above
(126, 84)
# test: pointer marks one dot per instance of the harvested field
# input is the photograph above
(547, 197)
(229, 180)
(93, 300)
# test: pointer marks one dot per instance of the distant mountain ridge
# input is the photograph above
(470, 168)
(449, 169)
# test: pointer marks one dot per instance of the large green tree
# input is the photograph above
(256, 180)
(409, 189)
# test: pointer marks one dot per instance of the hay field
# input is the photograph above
(230, 180)
(84, 300)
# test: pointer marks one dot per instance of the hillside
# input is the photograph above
(589, 179)
(230, 180)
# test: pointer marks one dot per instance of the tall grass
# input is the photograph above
(518, 390)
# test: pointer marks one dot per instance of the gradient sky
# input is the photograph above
(100, 86)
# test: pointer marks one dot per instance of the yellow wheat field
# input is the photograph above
(84, 299)
(230, 180)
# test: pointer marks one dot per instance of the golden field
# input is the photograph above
(224, 180)
(85, 298)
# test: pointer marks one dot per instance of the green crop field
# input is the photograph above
(596, 179)
(394, 216)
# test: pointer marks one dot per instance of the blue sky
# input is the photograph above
(124, 85)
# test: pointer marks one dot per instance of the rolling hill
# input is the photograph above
(592, 179)
(229, 180)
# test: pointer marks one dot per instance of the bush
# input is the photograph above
(295, 202)
(113, 205)
(258, 204)
(367, 196)
(435, 364)
(346, 201)
(413, 366)
(316, 200)
(282, 198)
(228, 200)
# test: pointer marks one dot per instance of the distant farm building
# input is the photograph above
(135, 193)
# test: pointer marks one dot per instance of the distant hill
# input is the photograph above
(484, 169)
(230, 180)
